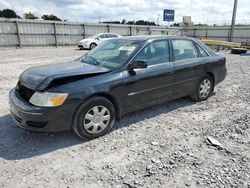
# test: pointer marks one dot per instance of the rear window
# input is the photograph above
(203, 53)
(113, 36)
(184, 49)
(104, 36)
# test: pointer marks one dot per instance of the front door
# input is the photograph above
(144, 87)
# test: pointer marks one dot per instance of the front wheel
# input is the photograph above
(92, 45)
(203, 89)
(94, 118)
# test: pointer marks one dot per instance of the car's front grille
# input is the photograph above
(37, 124)
(24, 91)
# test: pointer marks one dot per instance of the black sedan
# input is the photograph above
(119, 76)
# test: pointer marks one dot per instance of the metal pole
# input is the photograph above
(108, 28)
(233, 21)
(83, 27)
(56, 42)
(130, 30)
(149, 31)
(18, 35)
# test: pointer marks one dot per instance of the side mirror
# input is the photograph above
(138, 64)
(97, 38)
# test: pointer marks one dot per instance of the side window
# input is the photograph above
(184, 49)
(202, 52)
(113, 36)
(103, 36)
(155, 53)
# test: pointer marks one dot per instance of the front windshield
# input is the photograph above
(111, 53)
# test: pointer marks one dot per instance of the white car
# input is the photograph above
(93, 41)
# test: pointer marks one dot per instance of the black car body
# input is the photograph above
(130, 86)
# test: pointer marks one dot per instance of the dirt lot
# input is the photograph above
(162, 146)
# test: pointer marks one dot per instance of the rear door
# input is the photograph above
(185, 57)
(151, 85)
(204, 60)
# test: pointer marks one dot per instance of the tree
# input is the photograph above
(8, 13)
(131, 22)
(50, 17)
(175, 25)
(200, 24)
(112, 22)
(139, 22)
(123, 21)
(143, 22)
(30, 15)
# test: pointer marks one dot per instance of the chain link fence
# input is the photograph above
(19, 32)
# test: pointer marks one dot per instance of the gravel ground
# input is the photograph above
(161, 146)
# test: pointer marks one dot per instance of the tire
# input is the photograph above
(203, 89)
(92, 45)
(238, 50)
(89, 123)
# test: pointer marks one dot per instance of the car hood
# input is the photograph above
(39, 78)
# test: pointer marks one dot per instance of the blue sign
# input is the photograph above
(168, 15)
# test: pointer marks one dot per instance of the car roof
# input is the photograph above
(153, 37)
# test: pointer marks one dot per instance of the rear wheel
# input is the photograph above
(94, 118)
(203, 89)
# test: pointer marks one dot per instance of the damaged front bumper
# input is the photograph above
(42, 119)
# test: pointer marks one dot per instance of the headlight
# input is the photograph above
(47, 99)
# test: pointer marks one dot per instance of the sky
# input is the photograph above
(201, 11)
